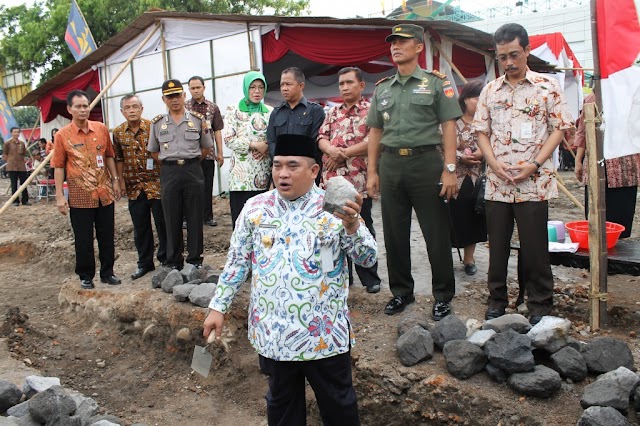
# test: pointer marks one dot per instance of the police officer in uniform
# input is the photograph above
(180, 140)
(407, 170)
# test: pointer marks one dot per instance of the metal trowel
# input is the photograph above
(201, 362)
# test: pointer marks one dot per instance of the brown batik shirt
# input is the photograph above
(211, 113)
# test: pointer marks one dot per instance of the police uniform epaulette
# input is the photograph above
(197, 115)
(157, 118)
(383, 79)
(439, 74)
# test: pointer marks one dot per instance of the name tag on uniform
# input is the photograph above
(526, 130)
(326, 257)
(100, 161)
(149, 163)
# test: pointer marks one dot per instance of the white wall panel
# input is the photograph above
(147, 72)
(191, 60)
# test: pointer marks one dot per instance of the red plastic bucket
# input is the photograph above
(579, 233)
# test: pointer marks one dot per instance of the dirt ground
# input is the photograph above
(150, 381)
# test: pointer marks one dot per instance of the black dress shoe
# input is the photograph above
(373, 288)
(111, 280)
(493, 313)
(470, 269)
(534, 319)
(440, 310)
(398, 303)
(211, 222)
(141, 272)
(86, 284)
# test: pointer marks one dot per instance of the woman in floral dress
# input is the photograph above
(469, 227)
(245, 133)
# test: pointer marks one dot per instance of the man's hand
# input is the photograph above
(501, 170)
(373, 185)
(523, 171)
(213, 323)
(578, 170)
(220, 158)
(62, 205)
(262, 147)
(116, 189)
(337, 154)
(470, 160)
(449, 184)
(351, 218)
(331, 165)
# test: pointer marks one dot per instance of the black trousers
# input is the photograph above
(531, 218)
(182, 192)
(83, 222)
(368, 276)
(141, 210)
(237, 200)
(406, 183)
(208, 171)
(620, 205)
(15, 177)
(330, 379)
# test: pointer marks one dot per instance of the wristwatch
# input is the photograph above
(536, 163)
(451, 168)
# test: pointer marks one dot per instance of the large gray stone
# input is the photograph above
(173, 279)
(19, 410)
(414, 346)
(410, 320)
(602, 416)
(481, 337)
(604, 354)
(202, 294)
(27, 421)
(64, 420)
(8, 421)
(338, 191)
(34, 384)
(109, 418)
(542, 382)
(158, 276)
(197, 273)
(87, 409)
(105, 423)
(550, 333)
(496, 374)
(181, 292)
(636, 399)
(10, 395)
(449, 328)
(570, 364)
(625, 378)
(510, 351)
(606, 393)
(516, 322)
(212, 277)
(50, 403)
(463, 358)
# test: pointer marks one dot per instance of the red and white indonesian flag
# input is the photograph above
(619, 44)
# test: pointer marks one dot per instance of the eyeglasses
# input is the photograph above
(256, 88)
(513, 56)
(132, 108)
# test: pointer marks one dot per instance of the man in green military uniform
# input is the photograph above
(180, 140)
(407, 170)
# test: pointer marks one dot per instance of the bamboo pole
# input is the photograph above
(33, 129)
(449, 61)
(596, 189)
(563, 188)
(163, 44)
(91, 106)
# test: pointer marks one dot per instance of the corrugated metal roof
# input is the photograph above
(456, 32)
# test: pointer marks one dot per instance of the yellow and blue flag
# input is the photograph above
(7, 119)
(78, 35)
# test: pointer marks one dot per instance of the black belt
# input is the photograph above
(409, 151)
(180, 162)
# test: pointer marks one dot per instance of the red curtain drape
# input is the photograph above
(471, 64)
(331, 46)
(54, 103)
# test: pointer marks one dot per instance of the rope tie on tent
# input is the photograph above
(603, 297)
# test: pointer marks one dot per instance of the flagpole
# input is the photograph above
(93, 104)
(596, 191)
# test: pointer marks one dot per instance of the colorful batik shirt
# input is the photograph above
(466, 139)
(518, 120)
(211, 113)
(344, 127)
(297, 255)
(249, 170)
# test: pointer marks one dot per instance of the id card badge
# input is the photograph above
(99, 161)
(326, 257)
(526, 131)
(149, 163)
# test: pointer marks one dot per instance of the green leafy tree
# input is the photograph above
(32, 37)
(26, 116)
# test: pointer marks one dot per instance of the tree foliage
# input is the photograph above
(32, 37)
(26, 116)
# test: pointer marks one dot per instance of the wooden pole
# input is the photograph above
(569, 148)
(33, 130)
(564, 189)
(93, 104)
(449, 61)
(596, 189)
(163, 44)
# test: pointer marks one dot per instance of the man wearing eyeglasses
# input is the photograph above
(180, 140)
(140, 178)
(520, 120)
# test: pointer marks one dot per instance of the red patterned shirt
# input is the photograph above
(345, 127)
(212, 114)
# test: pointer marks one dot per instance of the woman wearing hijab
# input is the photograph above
(245, 133)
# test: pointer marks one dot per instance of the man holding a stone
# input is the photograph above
(298, 315)
(343, 138)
